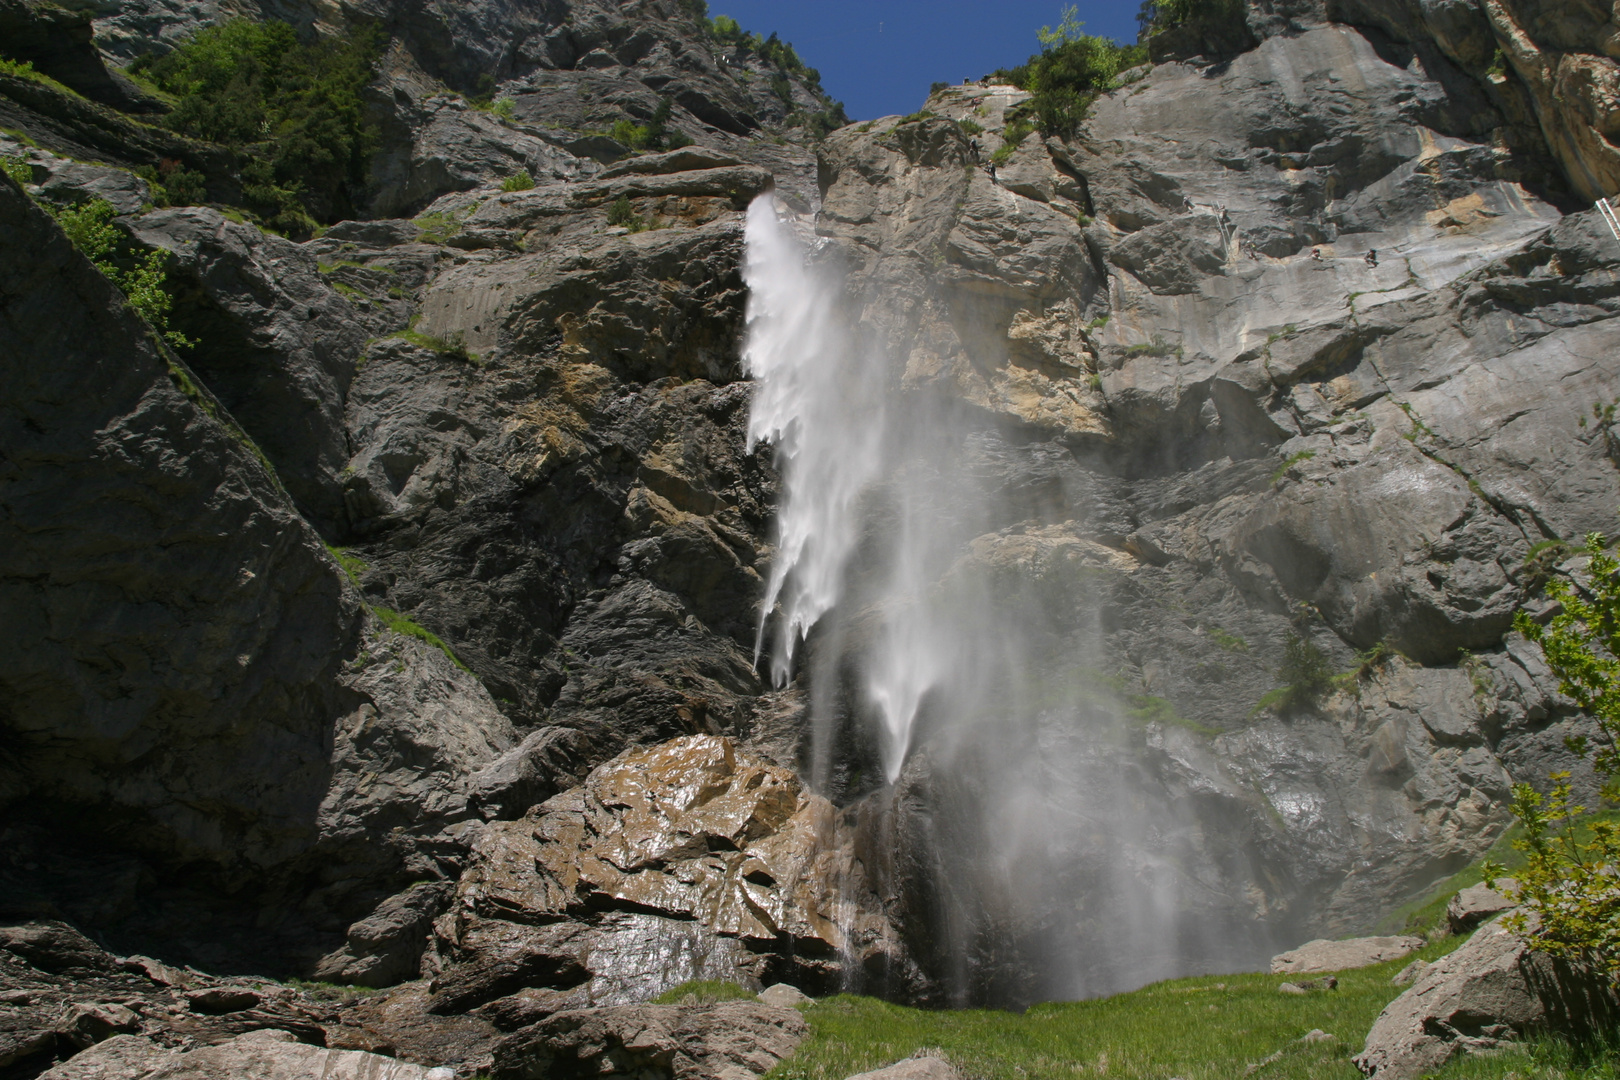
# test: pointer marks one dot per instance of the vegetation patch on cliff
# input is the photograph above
(291, 109)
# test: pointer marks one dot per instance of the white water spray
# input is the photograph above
(820, 403)
(962, 617)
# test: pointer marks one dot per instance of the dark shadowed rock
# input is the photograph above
(386, 946)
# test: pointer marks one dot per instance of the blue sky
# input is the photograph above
(879, 56)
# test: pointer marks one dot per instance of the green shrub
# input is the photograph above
(143, 281)
(1066, 76)
(18, 169)
(970, 127)
(1305, 675)
(504, 108)
(518, 181)
(173, 184)
(292, 110)
(1156, 16)
(623, 213)
(1290, 462)
(1568, 881)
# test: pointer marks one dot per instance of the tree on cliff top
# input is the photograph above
(1068, 73)
(1571, 879)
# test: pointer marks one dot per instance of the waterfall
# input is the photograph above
(821, 406)
(960, 634)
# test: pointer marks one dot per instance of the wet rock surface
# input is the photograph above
(691, 860)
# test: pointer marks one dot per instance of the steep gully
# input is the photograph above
(1065, 458)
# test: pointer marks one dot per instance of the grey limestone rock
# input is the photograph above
(1492, 989)
(1477, 903)
(277, 344)
(1324, 955)
(271, 1055)
(729, 1041)
(913, 1068)
(784, 996)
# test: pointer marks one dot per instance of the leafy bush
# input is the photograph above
(143, 283)
(623, 213)
(1156, 16)
(518, 181)
(1305, 675)
(18, 169)
(504, 108)
(1066, 76)
(291, 109)
(173, 184)
(1568, 880)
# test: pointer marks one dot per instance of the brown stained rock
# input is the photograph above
(735, 1040)
(1494, 988)
(1323, 955)
(691, 859)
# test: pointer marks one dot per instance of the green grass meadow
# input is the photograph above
(1210, 1028)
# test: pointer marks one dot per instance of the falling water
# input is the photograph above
(956, 626)
(821, 406)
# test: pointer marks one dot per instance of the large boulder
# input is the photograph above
(263, 1055)
(689, 860)
(735, 1040)
(1475, 904)
(1492, 989)
(1324, 955)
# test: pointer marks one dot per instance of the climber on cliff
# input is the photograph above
(1316, 254)
(1372, 256)
(1187, 204)
(992, 168)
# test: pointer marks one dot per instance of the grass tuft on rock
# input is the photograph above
(399, 624)
(704, 992)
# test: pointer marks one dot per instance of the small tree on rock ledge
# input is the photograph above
(1570, 881)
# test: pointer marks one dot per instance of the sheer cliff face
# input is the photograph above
(1297, 340)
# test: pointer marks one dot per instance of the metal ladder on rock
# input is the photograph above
(1608, 215)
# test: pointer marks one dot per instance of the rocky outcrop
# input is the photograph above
(1492, 989)
(733, 1040)
(175, 600)
(1346, 461)
(272, 1055)
(691, 860)
(1324, 955)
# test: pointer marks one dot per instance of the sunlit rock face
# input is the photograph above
(689, 860)
(1303, 343)
(1300, 335)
